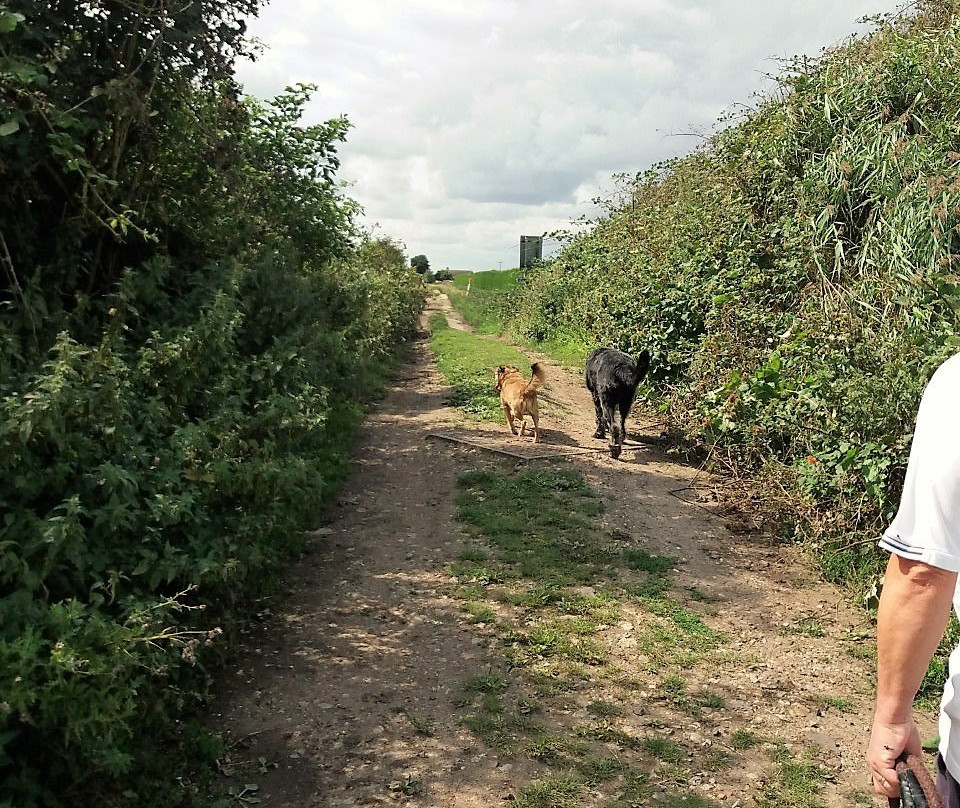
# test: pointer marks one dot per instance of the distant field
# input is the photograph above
(492, 280)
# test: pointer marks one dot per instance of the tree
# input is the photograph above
(88, 94)
(420, 263)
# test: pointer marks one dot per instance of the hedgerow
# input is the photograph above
(190, 327)
(794, 280)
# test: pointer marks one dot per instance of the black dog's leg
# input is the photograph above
(616, 433)
(625, 405)
(601, 429)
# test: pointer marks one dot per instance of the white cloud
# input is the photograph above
(476, 123)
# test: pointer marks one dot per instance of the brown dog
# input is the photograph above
(519, 397)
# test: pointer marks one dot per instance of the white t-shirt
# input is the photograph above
(927, 525)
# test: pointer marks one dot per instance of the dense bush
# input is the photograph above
(794, 279)
(186, 313)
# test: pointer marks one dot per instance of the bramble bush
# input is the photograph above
(795, 280)
(186, 313)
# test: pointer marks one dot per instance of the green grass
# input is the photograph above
(656, 567)
(552, 641)
(841, 705)
(485, 683)
(551, 748)
(697, 634)
(608, 733)
(674, 636)
(598, 770)
(482, 310)
(551, 792)
(711, 701)
(604, 709)
(490, 307)
(651, 564)
(505, 731)
(467, 363)
(687, 801)
(664, 749)
(715, 761)
(540, 521)
(492, 280)
(570, 354)
(744, 739)
(479, 613)
(798, 784)
(487, 305)
(474, 554)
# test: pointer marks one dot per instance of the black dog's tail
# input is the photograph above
(538, 378)
(641, 365)
(630, 372)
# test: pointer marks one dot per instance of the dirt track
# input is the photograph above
(369, 649)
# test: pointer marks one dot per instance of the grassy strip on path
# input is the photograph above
(598, 684)
(467, 362)
(488, 309)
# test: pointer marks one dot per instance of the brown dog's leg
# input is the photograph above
(536, 428)
(509, 417)
(523, 425)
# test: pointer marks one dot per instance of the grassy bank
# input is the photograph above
(794, 280)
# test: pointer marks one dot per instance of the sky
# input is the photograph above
(474, 123)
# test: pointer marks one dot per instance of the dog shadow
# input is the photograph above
(634, 450)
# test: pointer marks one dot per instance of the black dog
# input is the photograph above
(612, 379)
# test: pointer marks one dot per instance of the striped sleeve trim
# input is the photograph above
(926, 555)
(894, 544)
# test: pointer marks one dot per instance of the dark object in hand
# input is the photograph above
(917, 789)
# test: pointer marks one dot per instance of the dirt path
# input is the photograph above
(347, 699)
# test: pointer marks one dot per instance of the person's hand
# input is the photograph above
(887, 742)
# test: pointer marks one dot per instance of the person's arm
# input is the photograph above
(911, 618)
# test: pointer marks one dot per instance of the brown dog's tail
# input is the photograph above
(538, 378)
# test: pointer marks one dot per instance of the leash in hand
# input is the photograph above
(917, 789)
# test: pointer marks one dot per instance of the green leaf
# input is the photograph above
(9, 127)
(10, 20)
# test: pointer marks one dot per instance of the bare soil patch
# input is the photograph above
(346, 698)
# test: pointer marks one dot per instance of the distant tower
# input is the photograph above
(531, 249)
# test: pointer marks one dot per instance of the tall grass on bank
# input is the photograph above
(795, 281)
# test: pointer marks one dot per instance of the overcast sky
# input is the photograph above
(476, 123)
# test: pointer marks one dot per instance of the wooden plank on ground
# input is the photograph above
(537, 451)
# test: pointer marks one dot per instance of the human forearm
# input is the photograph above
(913, 613)
(912, 616)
